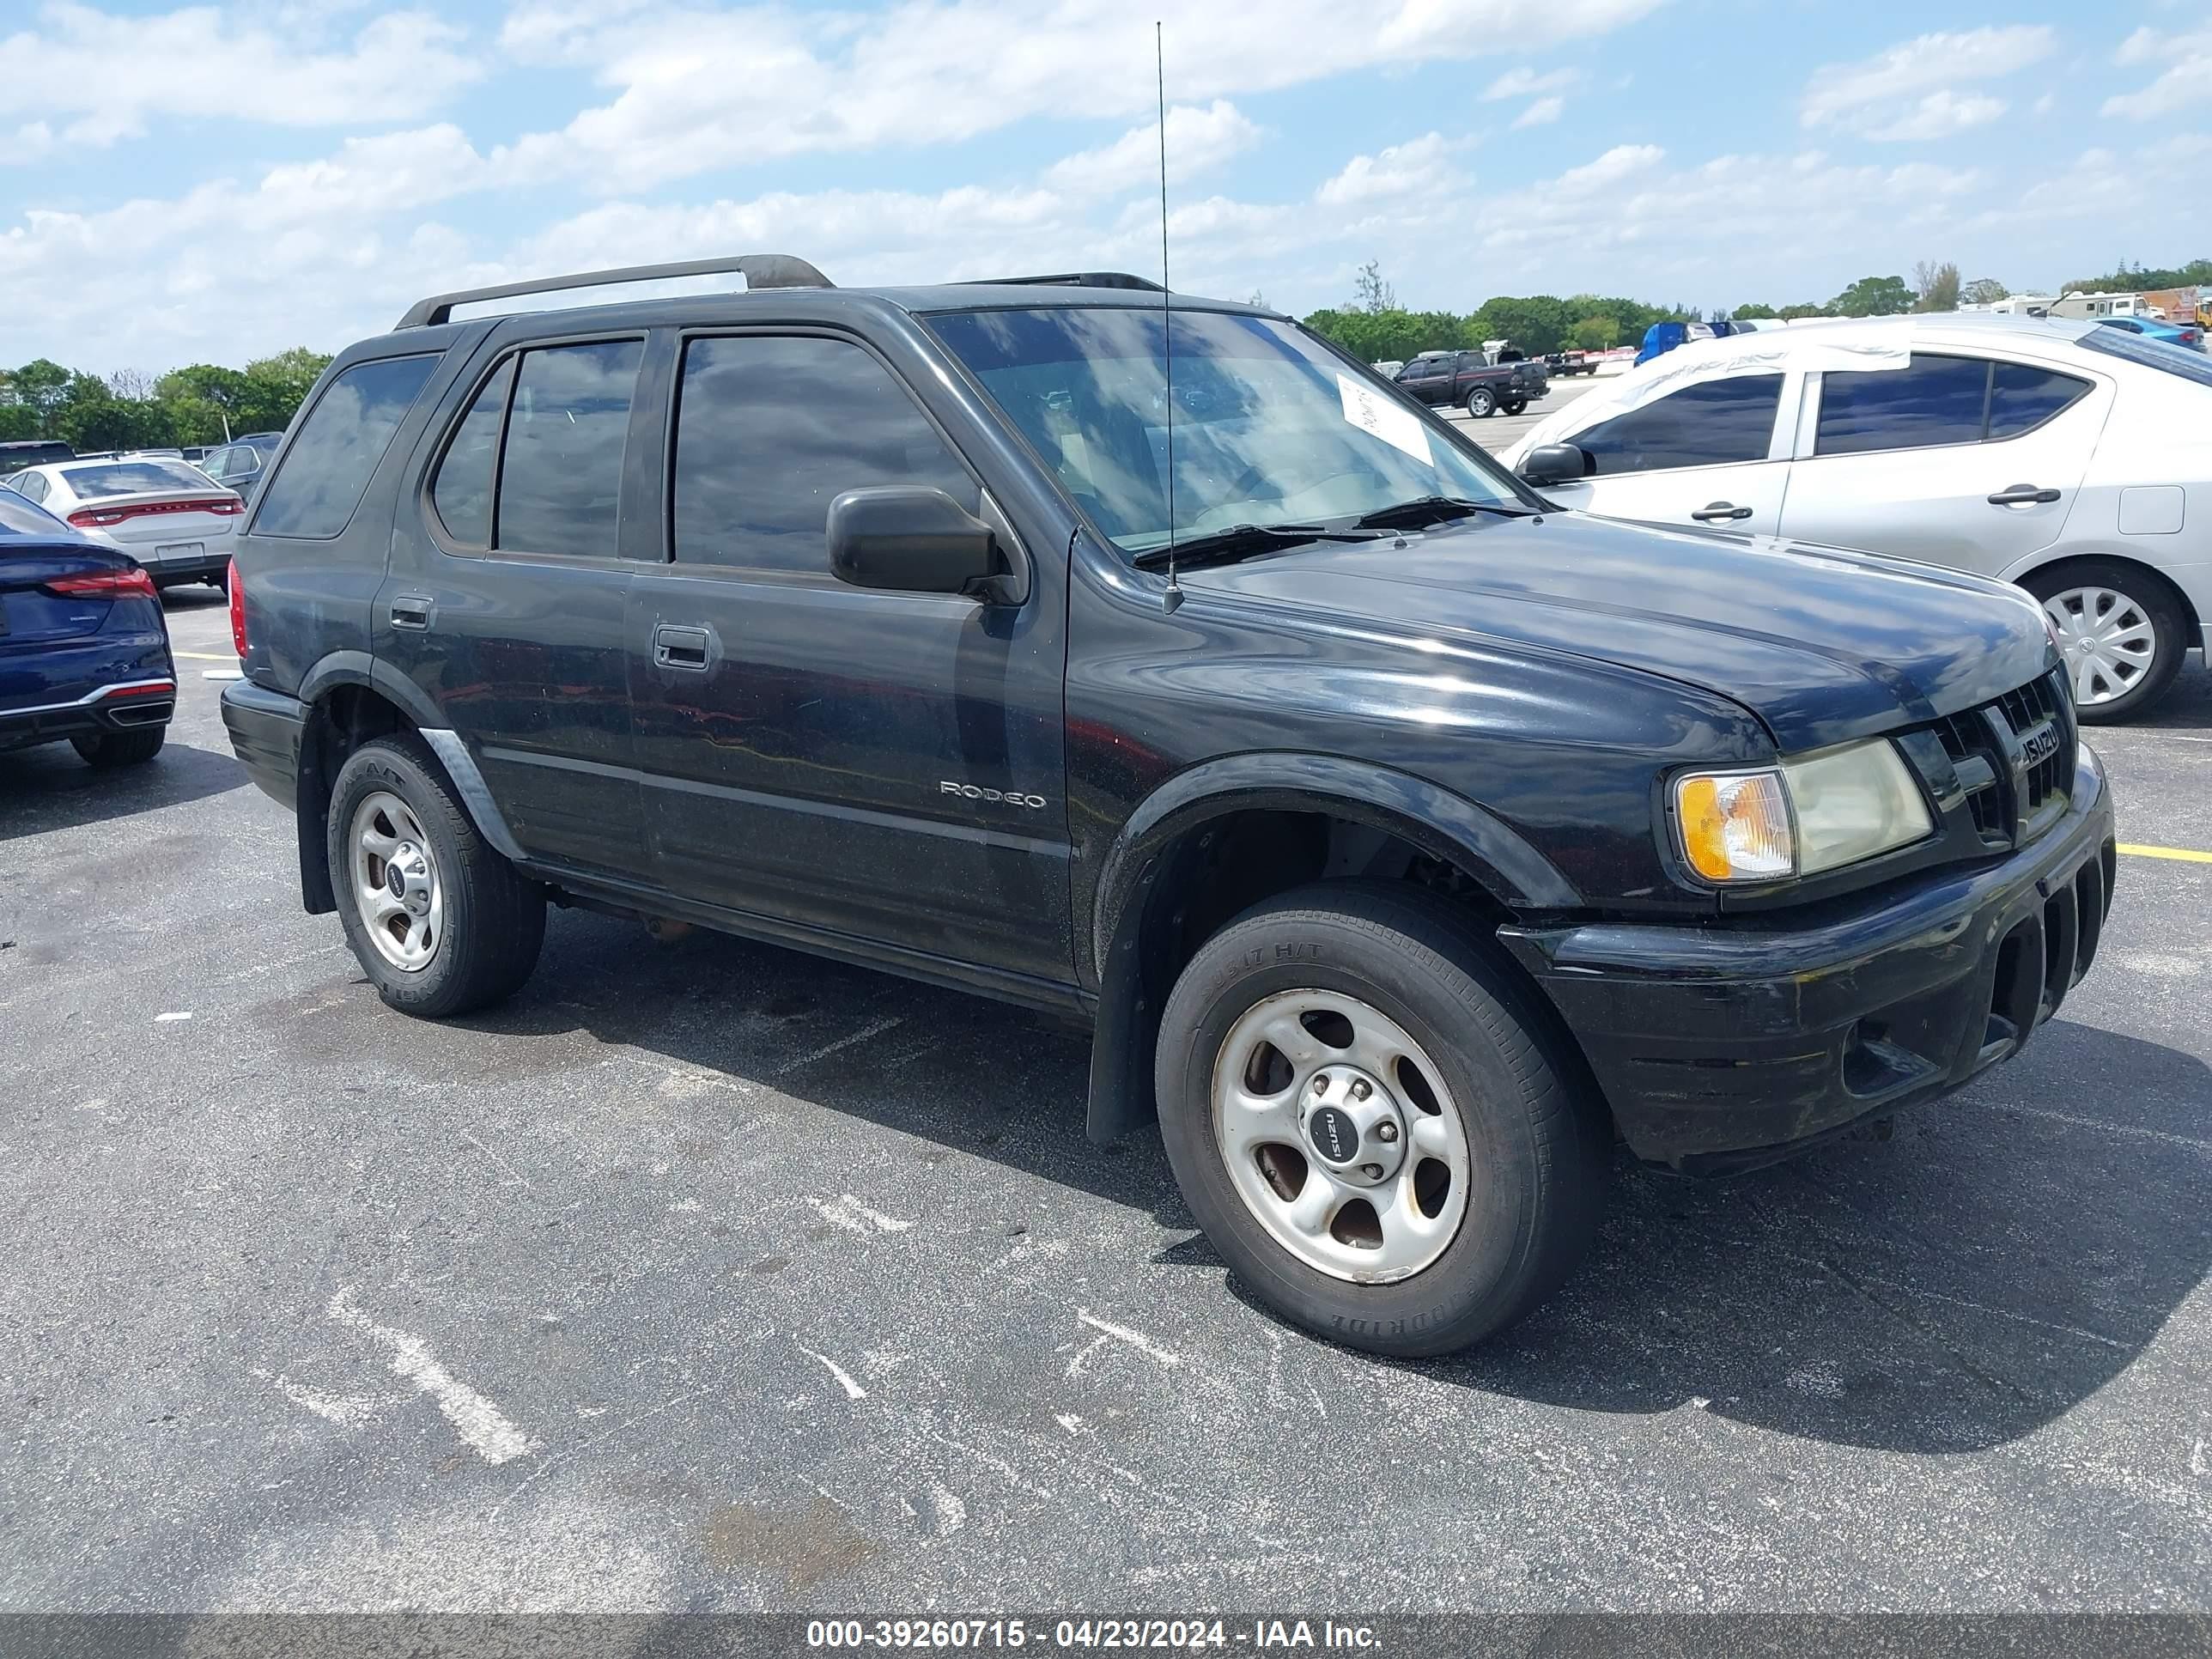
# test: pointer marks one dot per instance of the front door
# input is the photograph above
(884, 766)
(1698, 456)
(506, 599)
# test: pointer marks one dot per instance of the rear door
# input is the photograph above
(510, 571)
(1707, 454)
(1965, 461)
(1428, 379)
(886, 766)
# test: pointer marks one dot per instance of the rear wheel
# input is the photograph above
(439, 922)
(1369, 1120)
(103, 750)
(2122, 634)
(1513, 405)
(1481, 401)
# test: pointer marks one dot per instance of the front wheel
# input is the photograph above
(2121, 633)
(439, 922)
(1480, 402)
(1371, 1123)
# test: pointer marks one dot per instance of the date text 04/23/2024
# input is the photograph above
(1162, 1635)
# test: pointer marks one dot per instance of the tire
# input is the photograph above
(483, 922)
(104, 750)
(1535, 1141)
(1481, 403)
(1513, 405)
(2075, 595)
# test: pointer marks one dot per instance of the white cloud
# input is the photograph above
(1523, 81)
(1939, 114)
(1420, 168)
(1197, 139)
(1543, 111)
(109, 74)
(695, 91)
(1908, 92)
(2185, 79)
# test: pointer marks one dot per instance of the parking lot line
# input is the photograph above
(209, 656)
(2187, 854)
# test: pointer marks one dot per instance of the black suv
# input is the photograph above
(1404, 838)
(1473, 382)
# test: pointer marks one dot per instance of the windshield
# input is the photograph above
(130, 478)
(2125, 342)
(1270, 427)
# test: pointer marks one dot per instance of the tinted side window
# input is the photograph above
(1709, 424)
(2022, 397)
(769, 430)
(462, 490)
(1933, 400)
(560, 475)
(345, 436)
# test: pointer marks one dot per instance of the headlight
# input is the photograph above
(1816, 813)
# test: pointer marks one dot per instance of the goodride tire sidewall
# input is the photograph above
(1482, 1281)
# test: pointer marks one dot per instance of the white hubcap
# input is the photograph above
(2108, 640)
(395, 883)
(1339, 1136)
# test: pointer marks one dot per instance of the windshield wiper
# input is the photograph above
(1435, 509)
(1239, 539)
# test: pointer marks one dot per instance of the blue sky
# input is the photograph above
(214, 182)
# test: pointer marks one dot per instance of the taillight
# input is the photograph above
(229, 509)
(99, 518)
(86, 518)
(237, 609)
(133, 583)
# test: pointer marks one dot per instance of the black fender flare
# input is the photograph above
(358, 668)
(1443, 824)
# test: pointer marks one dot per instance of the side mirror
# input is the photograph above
(1555, 464)
(911, 539)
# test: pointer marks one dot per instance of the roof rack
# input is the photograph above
(759, 269)
(1074, 279)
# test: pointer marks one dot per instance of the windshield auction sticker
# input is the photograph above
(1399, 427)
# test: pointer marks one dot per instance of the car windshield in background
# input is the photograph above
(134, 478)
(2136, 348)
(1270, 427)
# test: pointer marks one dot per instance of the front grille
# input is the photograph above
(2013, 796)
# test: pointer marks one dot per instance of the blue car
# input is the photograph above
(84, 648)
(2179, 334)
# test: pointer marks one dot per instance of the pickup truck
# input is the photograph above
(1473, 382)
(1570, 363)
(1402, 839)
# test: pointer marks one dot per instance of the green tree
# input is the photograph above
(1537, 323)
(274, 387)
(43, 384)
(18, 420)
(1751, 311)
(1984, 291)
(1597, 334)
(1936, 287)
(1791, 313)
(1873, 296)
(2133, 279)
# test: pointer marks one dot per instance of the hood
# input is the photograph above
(1824, 646)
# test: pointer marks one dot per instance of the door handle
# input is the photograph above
(1714, 512)
(413, 611)
(688, 648)
(2023, 495)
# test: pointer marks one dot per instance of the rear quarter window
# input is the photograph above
(337, 450)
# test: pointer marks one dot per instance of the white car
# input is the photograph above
(2066, 457)
(170, 516)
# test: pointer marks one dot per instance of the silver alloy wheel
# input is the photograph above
(2109, 640)
(395, 881)
(1338, 1134)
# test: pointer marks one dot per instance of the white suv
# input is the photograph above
(2068, 458)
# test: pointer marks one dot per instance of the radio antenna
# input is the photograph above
(1174, 597)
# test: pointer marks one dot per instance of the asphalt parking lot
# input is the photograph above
(709, 1276)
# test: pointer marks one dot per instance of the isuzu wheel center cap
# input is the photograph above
(1353, 1125)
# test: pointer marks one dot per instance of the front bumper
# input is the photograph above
(1724, 1048)
(265, 730)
